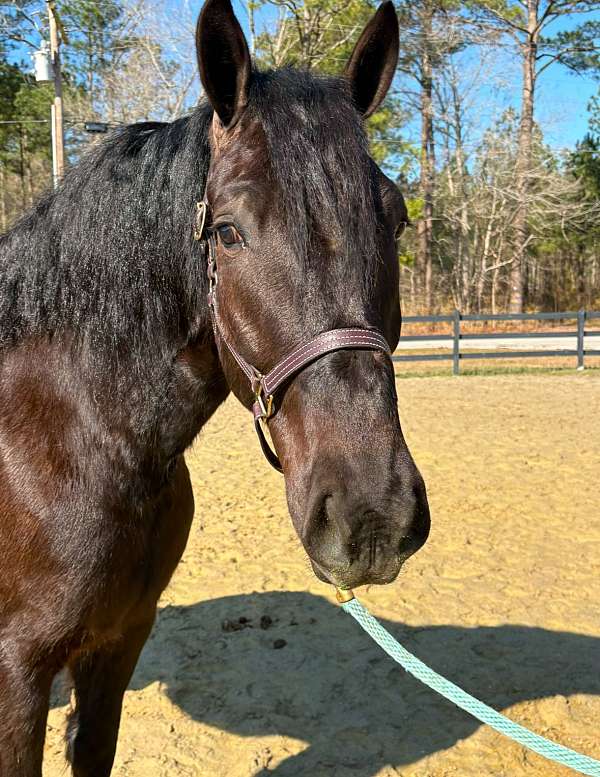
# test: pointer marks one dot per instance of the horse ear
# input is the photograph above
(372, 65)
(223, 60)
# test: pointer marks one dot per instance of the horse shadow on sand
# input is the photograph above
(293, 664)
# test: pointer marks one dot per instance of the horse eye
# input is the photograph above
(229, 236)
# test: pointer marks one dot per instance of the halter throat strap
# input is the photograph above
(264, 386)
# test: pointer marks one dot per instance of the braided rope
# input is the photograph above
(552, 750)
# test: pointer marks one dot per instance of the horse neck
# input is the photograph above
(129, 329)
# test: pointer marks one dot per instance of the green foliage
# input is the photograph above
(22, 100)
(419, 36)
(11, 80)
(95, 42)
(584, 163)
(388, 148)
(33, 102)
(594, 109)
(315, 34)
(406, 248)
(502, 10)
(577, 49)
(407, 258)
(414, 206)
(16, 24)
(320, 35)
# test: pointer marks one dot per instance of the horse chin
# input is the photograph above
(321, 574)
(344, 581)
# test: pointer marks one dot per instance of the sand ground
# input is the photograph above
(504, 599)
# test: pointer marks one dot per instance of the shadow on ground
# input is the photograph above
(332, 687)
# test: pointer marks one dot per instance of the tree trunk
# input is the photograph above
(494, 291)
(425, 226)
(250, 7)
(524, 154)
(580, 264)
(3, 221)
(28, 174)
(22, 168)
(485, 252)
(464, 230)
(90, 74)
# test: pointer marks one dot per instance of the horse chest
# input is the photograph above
(134, 557)
(85, 538)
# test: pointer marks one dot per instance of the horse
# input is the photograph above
(114, 353)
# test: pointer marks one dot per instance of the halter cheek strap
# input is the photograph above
(264, 386)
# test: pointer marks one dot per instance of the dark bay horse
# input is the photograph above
(110, 366)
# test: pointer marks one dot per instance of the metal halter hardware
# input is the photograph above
(264, 386)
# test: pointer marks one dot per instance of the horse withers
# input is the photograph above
(111, 362)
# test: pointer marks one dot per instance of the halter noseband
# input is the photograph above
(264, 386)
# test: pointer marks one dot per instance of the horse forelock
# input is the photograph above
(319, 160)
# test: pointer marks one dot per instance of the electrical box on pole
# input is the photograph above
(42, 64)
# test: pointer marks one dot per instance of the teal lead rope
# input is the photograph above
(555, 752)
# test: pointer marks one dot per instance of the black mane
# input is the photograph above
(110, 257)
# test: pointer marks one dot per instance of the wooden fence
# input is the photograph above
(581, 317)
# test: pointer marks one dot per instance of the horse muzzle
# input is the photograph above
(351, 540)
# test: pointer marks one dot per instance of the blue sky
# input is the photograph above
(562, 96)
(562, 99)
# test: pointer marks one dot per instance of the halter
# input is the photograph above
(264, 387)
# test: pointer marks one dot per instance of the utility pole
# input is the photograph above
(58, 138)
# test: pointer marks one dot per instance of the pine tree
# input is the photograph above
(526, 21)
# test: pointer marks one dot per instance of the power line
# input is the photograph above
(377, 141)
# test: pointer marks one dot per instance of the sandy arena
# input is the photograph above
(253, 670)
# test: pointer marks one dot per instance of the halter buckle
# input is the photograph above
(200, 220)
(265, 403)
(211, 273)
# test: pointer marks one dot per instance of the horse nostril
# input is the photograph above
(319, 524)
(321, 517)
(406, 546)
(372, 548)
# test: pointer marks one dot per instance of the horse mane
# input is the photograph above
(109, 258)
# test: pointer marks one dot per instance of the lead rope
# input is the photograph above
(485, 714)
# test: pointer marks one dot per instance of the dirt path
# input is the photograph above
(504, 599)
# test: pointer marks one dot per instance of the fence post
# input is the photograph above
(456, 344)
(580, 336)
